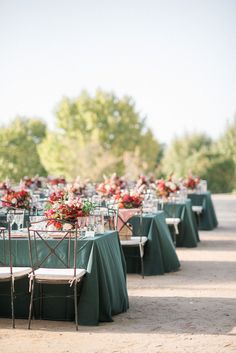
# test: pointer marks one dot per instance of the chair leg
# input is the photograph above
(12, 303)
(40, 301)
(141, 260)
(142, 269)
(174, 235)
(31, 304)
(76, 305)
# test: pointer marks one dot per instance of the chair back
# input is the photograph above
(6, 247)
(124, 227)
(111, 219)
(52, 247)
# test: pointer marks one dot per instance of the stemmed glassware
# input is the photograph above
(11, 217)
(16, 217)
(19, 219)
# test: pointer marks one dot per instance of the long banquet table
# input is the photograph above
(104, 290)
(160, 255)
(207, 219)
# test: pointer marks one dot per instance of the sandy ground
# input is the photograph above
(192, 310)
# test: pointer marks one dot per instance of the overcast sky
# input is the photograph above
(176, 58)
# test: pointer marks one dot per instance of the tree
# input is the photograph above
(18, 148)
(227, 142)
(105, 125)
(197, 154)
(184, 153)
(63, 155)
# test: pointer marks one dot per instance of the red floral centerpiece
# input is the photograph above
(67, 209)
(4, 185)
(56, 181)
(166, 187)
(57, 195)
(144, 182)
(129, 199)
(191, 182)
(32, 183)
(111, 186)
(17, 199)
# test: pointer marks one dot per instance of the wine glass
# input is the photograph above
(11, 217)
(19, 219)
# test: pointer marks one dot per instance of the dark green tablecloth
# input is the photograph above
(188, 233)
(104, 291)
(160, 255)
(207, 219)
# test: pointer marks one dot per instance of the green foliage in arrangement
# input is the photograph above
(97, 135)
(18, 148)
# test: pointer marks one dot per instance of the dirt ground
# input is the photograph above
(192, 310)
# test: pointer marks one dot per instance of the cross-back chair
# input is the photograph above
(53, 256)
(136, 241)
(9, 272)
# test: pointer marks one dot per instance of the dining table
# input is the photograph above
(188, 235)
(207, 219)
(103, 292)
(159, 252)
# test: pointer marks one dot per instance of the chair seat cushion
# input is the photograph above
(173, 221)
(134, 241)
(16, 271)
(58, 274)
(197, 209)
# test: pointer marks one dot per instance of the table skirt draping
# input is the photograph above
(103, 293)
(160, 255)
(188, 233)
(207, 219)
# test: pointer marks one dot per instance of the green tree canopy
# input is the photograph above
(108, 127)
(184, 153)
(18, 148)
(227, 144)
(196, 153)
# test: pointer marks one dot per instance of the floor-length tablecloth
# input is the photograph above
(160, 255)
(207, 219)
(188, 233)
(104, 291)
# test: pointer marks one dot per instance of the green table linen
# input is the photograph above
(207, 219)
(188, 233)
(159, 255)
(104, 290)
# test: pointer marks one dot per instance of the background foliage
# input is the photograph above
(102, 134)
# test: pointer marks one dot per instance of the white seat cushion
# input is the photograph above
(134, 241)
(197, 209)
(173, 221)
(58, 274)
(16, 271)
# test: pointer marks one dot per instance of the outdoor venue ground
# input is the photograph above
(192, 310)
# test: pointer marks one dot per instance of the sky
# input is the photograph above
(176, 58)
